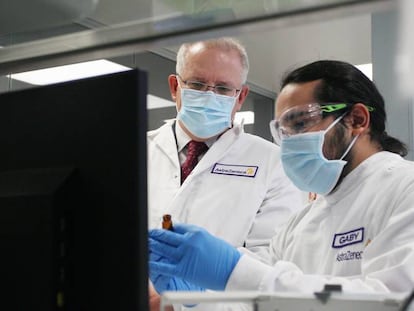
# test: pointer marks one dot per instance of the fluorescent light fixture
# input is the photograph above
(96, 68)
(154, 102)
(69, 72)
(366, 69)
(248, 117)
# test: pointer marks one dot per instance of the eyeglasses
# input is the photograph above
(299, 119)
(218, 89)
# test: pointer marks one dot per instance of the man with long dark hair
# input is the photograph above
(330, 124)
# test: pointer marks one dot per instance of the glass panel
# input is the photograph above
(42, 33)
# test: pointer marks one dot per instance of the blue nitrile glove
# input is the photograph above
(164, 283)
(194, 255)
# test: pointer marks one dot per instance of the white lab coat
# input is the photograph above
(360, 236)
(240, 205)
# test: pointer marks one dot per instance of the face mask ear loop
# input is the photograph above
(353, 140)
(334, 123)
(351, 143)
(349, 147)
(177, 77)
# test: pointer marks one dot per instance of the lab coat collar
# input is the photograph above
(183, 139)
(164, 138)
(379, 160)
(218, 150)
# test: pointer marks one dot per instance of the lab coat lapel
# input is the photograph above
(166, 143)
(216, 152)
(219, 149)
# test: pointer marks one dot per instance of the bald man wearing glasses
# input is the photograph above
(203, 168)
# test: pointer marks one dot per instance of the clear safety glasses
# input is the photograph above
(218, 89)
(299, 119)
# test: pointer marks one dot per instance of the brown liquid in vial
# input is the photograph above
(167, 222)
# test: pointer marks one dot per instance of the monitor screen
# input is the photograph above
(73, 195)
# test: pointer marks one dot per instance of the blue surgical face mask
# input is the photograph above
(306, 166)
(205, 114)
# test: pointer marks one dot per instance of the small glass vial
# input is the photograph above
(167, 222)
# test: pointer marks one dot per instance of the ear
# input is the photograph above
(358, 119)
(242, 97)
(173, 84)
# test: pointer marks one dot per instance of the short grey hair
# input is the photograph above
(224, 43)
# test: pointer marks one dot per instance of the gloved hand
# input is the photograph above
(167, 283)
(192, 254)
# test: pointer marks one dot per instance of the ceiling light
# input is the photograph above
(154, 102)
(366, 69)
(69, 72)
(248, 117)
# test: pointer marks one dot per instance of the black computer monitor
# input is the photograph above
(73, 195)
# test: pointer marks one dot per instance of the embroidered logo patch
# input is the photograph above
(348, 255)
(236, 170)
(348, 238)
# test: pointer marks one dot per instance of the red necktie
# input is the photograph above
(194, 150)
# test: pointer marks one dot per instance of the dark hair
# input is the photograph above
(343, 82)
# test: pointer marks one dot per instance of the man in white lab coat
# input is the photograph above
(238, 190)
(358, 233)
